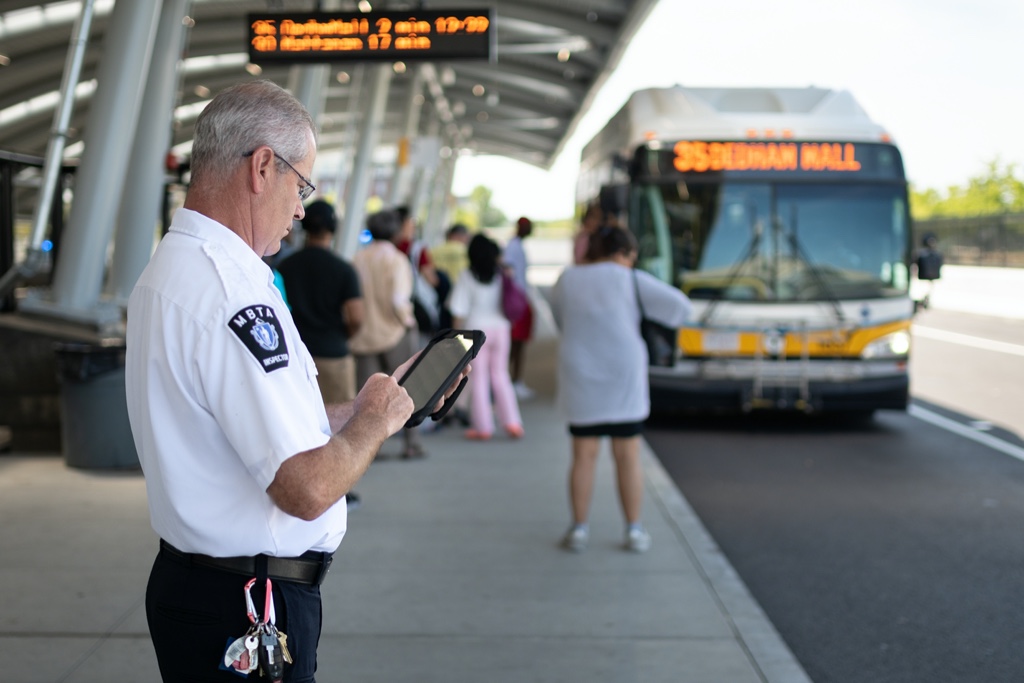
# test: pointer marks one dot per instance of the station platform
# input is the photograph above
(450, 572)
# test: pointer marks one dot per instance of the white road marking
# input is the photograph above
(963, 430)
(967, 340)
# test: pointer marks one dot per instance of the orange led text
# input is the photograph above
(700, 157)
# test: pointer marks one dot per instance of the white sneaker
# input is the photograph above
(576, 539)
(523, 392)
(638, 540)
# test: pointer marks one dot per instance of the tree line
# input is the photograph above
(997, 190)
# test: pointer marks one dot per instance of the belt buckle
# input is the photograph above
(325, 565)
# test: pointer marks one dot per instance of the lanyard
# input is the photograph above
(269, 617)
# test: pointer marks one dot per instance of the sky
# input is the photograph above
(942, 76)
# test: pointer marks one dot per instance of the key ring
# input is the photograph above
(268, 605)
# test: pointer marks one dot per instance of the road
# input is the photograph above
(886, 551)
(973, 364)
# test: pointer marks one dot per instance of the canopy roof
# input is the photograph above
(552, 58)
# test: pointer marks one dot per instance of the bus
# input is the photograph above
(783, 214)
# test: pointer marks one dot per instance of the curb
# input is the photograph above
(768, 653)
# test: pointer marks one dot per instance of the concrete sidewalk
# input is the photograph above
(450, 572)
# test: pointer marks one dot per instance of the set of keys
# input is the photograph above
(263, 647)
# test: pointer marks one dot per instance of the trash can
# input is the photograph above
(93, 410)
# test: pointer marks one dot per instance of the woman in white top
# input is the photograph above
(475, 303)
(602, 370)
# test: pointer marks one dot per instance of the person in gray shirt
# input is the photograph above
(602, 371)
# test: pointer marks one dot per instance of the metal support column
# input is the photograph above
(36, 259)
(356, 80)
(401, 178)
(362, 166)
(309, 85)
(7, 303)
(446, 193)
(441, 187)
(142, 202)
(424, 175)
(110, 130)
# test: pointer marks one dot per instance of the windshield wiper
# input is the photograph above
(748, 255)
(797, 249)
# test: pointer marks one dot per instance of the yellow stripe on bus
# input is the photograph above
(828, 342)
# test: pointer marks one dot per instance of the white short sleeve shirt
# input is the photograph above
(221, 391)
(478, 303)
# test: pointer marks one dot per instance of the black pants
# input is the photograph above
(193, 613)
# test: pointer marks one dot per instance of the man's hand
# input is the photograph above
(404, 367)
(384, 399)
(454, 385)
(309, 483)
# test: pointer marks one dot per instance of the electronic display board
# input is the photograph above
(744, 158)
(323, 37)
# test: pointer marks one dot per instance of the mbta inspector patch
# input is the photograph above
(260, 331)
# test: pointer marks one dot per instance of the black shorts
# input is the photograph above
(620, 430)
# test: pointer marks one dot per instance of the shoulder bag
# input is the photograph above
(513, 299)
(660, 340)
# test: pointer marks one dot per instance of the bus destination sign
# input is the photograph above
(324, 37)
(698, 157)
(739, 159)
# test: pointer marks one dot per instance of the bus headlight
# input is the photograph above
(895, 345)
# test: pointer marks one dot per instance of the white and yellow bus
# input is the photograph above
(783, 214)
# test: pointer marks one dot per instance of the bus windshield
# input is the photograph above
(774, 241)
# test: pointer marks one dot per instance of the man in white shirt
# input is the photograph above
(245, 467)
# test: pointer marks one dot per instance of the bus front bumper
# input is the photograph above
(809, 386)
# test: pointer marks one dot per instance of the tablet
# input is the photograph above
(436, 368)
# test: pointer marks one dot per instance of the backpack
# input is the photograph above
(929, 265)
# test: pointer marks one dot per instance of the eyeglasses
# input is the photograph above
(304, 192)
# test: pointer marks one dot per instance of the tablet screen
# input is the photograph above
(434, 368)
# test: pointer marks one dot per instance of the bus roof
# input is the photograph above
(756, 114)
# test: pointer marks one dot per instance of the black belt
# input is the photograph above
(309, 568)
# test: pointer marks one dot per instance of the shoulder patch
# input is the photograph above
(259, 329)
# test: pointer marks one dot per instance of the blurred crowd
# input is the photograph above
(366, 316)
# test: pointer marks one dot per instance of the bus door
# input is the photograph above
(654, 239)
